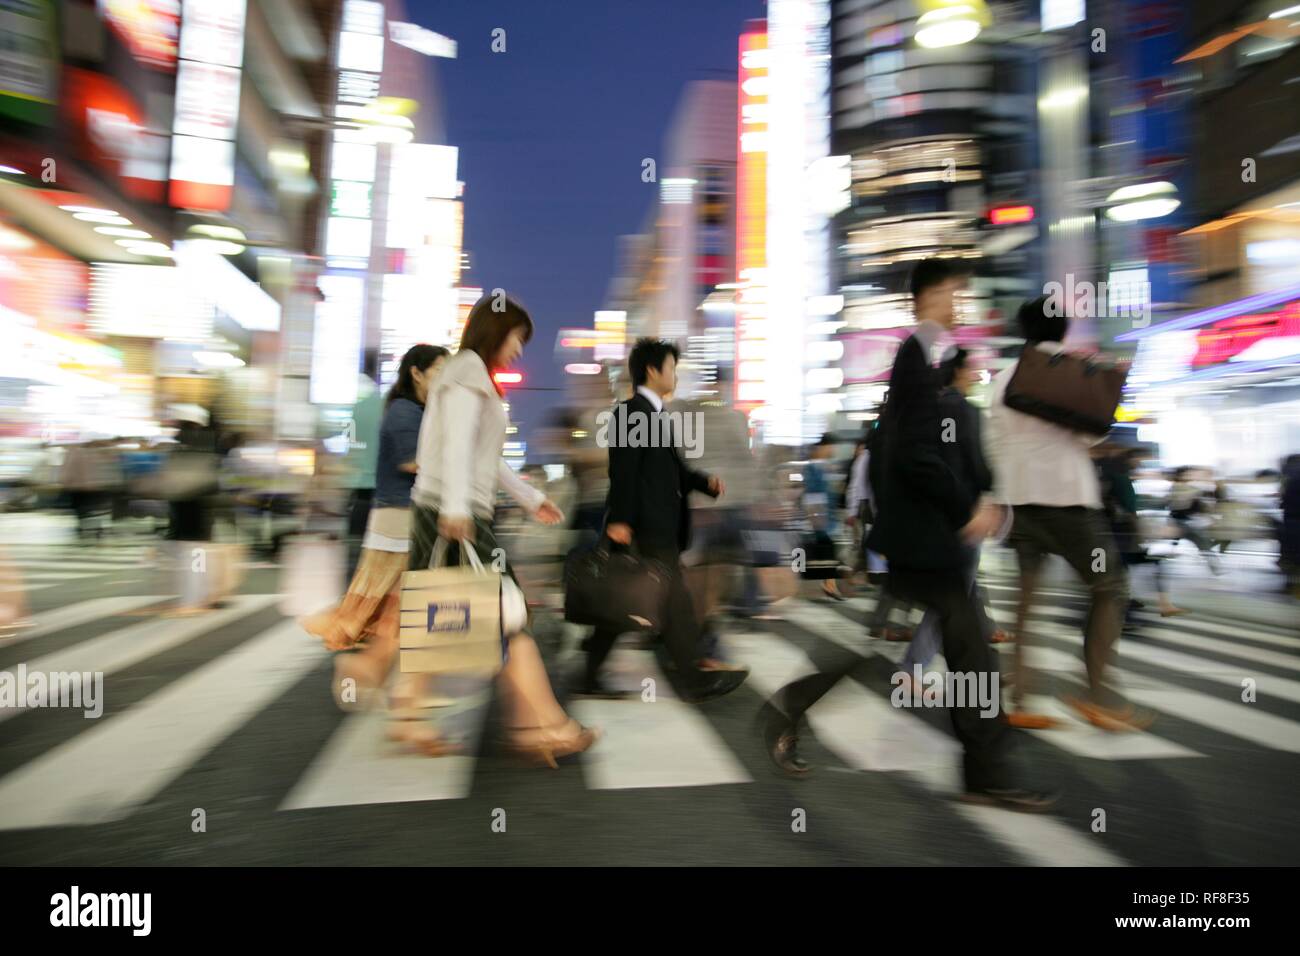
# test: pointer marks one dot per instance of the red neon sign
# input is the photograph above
(1227, 338)
(1009, 215)
(508, 378)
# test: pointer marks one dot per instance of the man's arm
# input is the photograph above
(916, 446)
(624, 502)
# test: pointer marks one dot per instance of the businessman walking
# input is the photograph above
(648, 509)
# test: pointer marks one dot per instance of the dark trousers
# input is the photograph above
(1083, 538)
(681, 634)
(986, 740)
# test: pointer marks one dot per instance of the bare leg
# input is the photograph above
(527, 699)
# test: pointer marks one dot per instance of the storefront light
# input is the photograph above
(123, 232)
(947, 26)
(107, 218)
(1143, 201)
(89, 209)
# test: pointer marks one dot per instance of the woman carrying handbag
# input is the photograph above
(365, 623)
(460, 470)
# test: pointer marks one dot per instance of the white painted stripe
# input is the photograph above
(359, 766)
(75, 615)
(121, 648)
(54, 577)
(866, 732)
(667, 743)
(1175, 628)
(1259, 655)
(107, 772)
(1216, 671)
(1085, 740)
(36, 567)
(1227, 716)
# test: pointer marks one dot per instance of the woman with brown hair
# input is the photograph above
(365, 623)
(460, 470)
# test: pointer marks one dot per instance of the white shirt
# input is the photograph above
(651, 397)
(461, 436)
(859, 486)
(1036, 462)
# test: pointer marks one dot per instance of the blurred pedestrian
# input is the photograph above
(648, 507)
(1289, 538)
(964, 455)
(362, 456)
(459, 469)
(1187, 508)
(718, 557)
(368, 618)
(1119, 499)
(925, 514)
(818, 508)
(1044, 472)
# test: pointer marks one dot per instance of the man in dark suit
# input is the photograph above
(647, 508)
(926, 515)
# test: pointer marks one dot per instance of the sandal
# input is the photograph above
(415, 736)
(551, 747)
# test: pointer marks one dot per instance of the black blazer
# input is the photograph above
(648, 485)
(965, 455)
(921, 505)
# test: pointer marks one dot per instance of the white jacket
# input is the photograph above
(461, 436)
(1036, 462)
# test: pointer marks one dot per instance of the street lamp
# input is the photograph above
(1142, 201)
(951, 24)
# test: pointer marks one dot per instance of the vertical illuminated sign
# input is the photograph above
(751, 222)
(207, 104)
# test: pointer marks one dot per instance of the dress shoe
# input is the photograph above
(1012, 798)
(781, 742)
(712, 684)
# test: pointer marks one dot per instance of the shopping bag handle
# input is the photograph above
(440, 548)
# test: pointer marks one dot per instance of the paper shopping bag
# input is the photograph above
(451, 621)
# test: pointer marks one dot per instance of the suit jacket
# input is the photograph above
(921, 505)
(648, 484)
(965, 456)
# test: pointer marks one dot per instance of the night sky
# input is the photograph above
(552, 133)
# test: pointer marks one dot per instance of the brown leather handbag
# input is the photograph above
(1075, 391)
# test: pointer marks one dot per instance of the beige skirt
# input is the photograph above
(389, 529)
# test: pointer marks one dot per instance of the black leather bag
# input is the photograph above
(614, 589)
(1068, 390)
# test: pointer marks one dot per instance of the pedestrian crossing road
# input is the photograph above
(226, 718)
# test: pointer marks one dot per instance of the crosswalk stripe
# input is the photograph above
(53, 577)
(1073, 735)
(75, 615)
(38, 567)
(1232, 717)
(106, 772)
(1216, 671)
(1173, 628)
(867, 733)
(1260, 655)
(121, 648)
(667, 743)
(1084, 740)
(359, 766)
